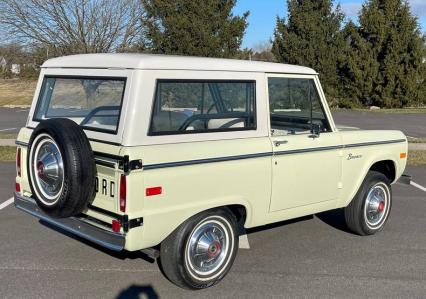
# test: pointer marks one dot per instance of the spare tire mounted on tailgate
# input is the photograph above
(61, 167)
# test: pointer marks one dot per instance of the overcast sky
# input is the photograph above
(263, 16)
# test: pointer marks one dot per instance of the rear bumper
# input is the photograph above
(76, 226)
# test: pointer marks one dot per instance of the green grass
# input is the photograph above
(7, 153)
(417, 158)
(416, 140)
(16, 92)
(8, 135)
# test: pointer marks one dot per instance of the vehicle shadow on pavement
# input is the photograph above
(277, 224)
(138, 291)
(334, 218)
(122, 255)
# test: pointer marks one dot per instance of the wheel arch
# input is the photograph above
(165, 223)
(387, 166)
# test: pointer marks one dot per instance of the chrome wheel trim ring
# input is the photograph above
(217, 261)
(376, 207)
(47, 169)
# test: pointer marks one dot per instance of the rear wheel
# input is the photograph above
(200, 252)
(370, 209)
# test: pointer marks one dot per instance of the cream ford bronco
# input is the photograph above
(172, 155)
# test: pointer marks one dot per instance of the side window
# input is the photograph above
(295, 106)
(182, 107)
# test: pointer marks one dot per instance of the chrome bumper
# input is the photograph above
(76, 226)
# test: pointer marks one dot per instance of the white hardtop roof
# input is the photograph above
(168, 62)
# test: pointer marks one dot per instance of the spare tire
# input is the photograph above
(61, 167)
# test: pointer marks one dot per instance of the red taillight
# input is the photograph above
(116, 226)
(18, 161)
(123, 191)
(153, 191)
(17, 187)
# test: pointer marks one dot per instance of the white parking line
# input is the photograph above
(8, 129)
(6, 203)
(418, 186)
(244, 243)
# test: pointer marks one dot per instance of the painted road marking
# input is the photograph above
(418, 186)
(244, 242)
(6, 203)
(8, 129)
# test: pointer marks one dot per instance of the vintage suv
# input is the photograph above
(175, 155)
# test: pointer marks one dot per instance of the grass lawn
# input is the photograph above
(7, 153)
(16, 92)
(416, 158)
(8, 135)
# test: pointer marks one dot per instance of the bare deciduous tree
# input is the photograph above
(72, 26)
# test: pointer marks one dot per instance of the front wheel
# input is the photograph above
(200, 252)
(370, 209)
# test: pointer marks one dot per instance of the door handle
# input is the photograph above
(279, 142)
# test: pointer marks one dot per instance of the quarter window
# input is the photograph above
(92, 102)
(295, 106)
(182, 107)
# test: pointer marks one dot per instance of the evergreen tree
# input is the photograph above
(389, 56)
(311, 37)
(357, 69)
(197, 28)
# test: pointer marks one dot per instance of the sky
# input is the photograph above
(263, 15)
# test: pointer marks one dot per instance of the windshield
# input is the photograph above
(94, 103)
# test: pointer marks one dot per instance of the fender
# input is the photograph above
(164, 222)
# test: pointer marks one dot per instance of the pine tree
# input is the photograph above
(390, 55)
(357, 69)
(196, 28)
(311, 37)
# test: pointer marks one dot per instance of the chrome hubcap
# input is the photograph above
(208, 247)
(376, 204)
(48, 169)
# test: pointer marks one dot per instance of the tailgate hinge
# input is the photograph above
(128, 165)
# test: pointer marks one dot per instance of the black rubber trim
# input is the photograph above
(20, 143)
(204, 161)
(104, 163)
(374, 143)
(104, 142)
(308, 150)
(109, 156)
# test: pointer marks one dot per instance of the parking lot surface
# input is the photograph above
(12, 119)
(309, 257)
(412, 124)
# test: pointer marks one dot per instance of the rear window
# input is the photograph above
(93, 103)
(182, 107)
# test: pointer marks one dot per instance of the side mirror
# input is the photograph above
(315, 130)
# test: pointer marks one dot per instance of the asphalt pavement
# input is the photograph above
(412, 124)
(12, 119)
(309, 257)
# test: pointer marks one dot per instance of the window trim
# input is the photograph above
(84, 77)
(151, 133)
(319, 92)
